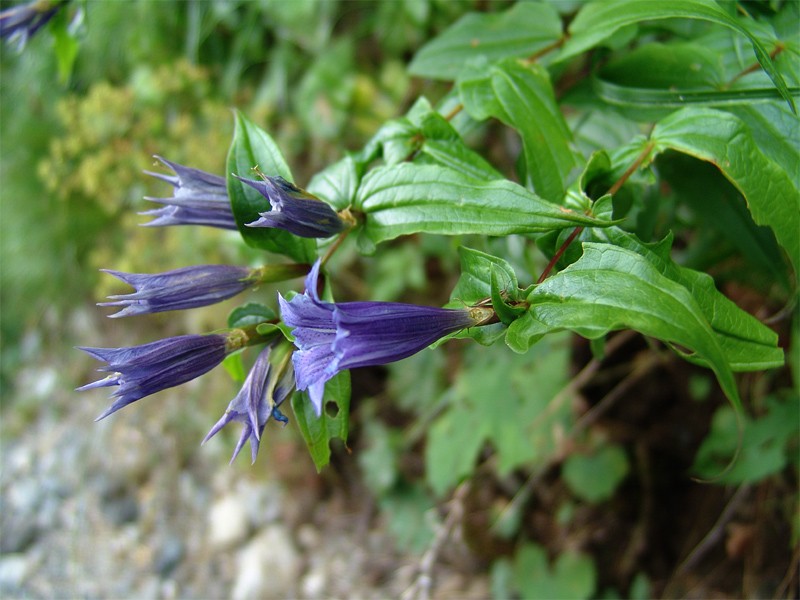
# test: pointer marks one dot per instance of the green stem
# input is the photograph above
(335, 245)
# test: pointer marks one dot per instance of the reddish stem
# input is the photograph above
(612, 190)
(554, 46)
(558, 254)
(755, 67)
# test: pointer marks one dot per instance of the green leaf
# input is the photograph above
(776, 132)
(338, 183)
(721, 138)
(649, 104)
(522, 97)
(600, 129)
(500, 290)
(748, 344)
(654, 79)
(573, 575)
(407, 511)
(456, 156)
(595, 477)
(520, 422)
(319, 431)
(720, 208)
(612, 288)
(520, 31)
(250, 314)
(378, 460)
(453, 443)
(65, 46)
(409, 198)
(765, 443)
(597, 21)
(234, 367)
(665, 66)
(474, 284)
(252, 146)
(443, 145)
(485, 335)
(525, 332)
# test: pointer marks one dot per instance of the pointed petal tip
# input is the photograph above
(109, 411)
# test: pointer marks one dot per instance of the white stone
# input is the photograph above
(268, 567)
(228, 522)
(315, 582)
(12, 571)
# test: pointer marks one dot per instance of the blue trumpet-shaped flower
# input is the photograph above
(179, 289)
(143, 370)
(199, 198)
(334, 337)
(294, 210)
(269, 383)
(19, 23)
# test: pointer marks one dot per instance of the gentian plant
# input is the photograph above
(580, 205)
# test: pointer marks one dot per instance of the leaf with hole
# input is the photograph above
(332, 423)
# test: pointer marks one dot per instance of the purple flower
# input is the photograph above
(199, 198)
(143, 370)
(20, 23)
(269, 383)
(294, 210)
(188, 287)
(334, 337)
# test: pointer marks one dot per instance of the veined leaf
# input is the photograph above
(252, 146)
(319, 431)
(613, 288)
(522, 97)
(597, 21)
(456, 156)
(721, 138)
(520, 31)
(776, 132)
(748, 344)
(338, 183)
(408, 198)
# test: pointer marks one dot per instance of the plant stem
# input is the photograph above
(779, 47)
(454, 112)
(335, 245)
(626, 175)
(612, 190)
(558, 254)
(547, 49)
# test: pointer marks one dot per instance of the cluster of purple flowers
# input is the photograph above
(328, 337)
